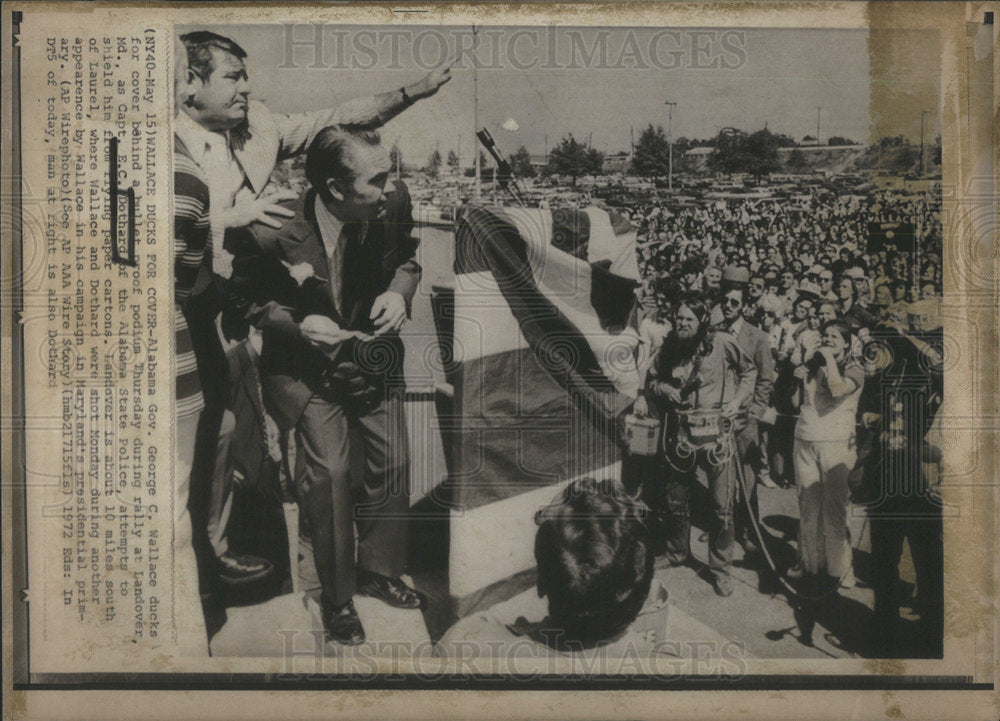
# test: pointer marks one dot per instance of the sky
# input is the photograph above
(593, 83)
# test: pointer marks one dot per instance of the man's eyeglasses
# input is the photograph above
(733, 302)
(826, 278)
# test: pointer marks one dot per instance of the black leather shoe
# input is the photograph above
(235, 570)
(391, 590)
(342, 625)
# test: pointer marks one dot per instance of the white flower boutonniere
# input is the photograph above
(301, 272)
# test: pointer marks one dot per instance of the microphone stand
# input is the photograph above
(504, 173)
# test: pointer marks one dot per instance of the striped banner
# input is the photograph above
(544, 369)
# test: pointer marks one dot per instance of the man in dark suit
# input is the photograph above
(756, 344)
(330, 290)
(257, 524)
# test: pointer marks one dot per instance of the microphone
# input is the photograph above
(505, 174)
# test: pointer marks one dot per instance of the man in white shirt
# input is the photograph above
(237, 144)
(254, 138)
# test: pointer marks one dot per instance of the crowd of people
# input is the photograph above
(778, 345)
(771, 334)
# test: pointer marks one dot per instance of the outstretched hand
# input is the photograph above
(431, 82)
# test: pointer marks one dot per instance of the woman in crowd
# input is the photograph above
(825, 452)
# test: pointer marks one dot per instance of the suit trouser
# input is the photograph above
(749, 454)
(821, 469)
(922, 527)
(188, 616)
(212, 493)
(780, 448)
(213, 371)
(322, 477)
(721, 487)
(220, 501)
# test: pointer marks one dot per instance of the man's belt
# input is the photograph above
(703, 425)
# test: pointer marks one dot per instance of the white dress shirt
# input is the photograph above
(212, 152)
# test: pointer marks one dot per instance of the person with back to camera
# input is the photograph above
(595, 573)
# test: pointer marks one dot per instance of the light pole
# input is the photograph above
(923, 114)
(819, 110)
(475, 105)
(670, 143)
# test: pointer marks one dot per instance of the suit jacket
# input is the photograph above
(292, 369)
(757, 345)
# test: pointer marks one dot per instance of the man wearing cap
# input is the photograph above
(756, 344)
(858, 273)
(858, 313)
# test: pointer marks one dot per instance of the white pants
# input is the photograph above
(821, 469)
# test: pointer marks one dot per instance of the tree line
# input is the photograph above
(733, 151)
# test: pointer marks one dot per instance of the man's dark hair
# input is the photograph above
(840, 279)
(595, 562)
(728, 287)
(859, 263)
(199, 46)
(802, 298)
(697, 304)
(666, 289)
(327, 155)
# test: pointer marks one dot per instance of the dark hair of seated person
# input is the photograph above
(595, 564)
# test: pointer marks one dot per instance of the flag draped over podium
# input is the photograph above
(544, 365)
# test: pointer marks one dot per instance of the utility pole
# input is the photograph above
(475, 105)
(923, 114)
(670, 143)
(399, 158)
(819, 110)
